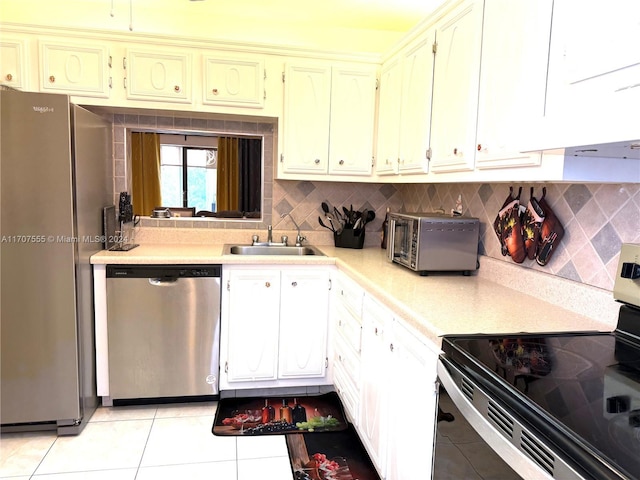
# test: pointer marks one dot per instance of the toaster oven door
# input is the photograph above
(400, 245)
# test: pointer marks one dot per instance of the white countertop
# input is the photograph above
(434, 305)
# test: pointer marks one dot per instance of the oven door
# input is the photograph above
(401, 231)
(521, 451)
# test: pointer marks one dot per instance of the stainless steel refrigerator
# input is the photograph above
(55, 178)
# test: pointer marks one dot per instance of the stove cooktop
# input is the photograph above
(586, 386)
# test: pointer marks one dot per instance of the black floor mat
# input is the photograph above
(332, 456)
(310, 413)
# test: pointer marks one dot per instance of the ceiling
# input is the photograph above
(350, 25)
(394, 15)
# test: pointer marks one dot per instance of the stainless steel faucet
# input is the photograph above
(299, 237)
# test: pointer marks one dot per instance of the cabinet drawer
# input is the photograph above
(350, 295)
(348, 327)
(348, 360)
(348, 393)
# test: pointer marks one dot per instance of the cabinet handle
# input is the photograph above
(479, 147)
(267, 284)
(294, 284)
(52, 79)
(9, 77)
(214, 91)
(316, 161)
(375, 330)
(391, 347)
(341, 162)
(176, 88)
(339, 323)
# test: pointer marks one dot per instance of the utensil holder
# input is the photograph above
(349, 238)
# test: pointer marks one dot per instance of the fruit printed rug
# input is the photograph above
(279, 415)
(331, 456)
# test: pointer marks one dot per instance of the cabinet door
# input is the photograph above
(72, 69)
(515, 47)
(234, 81)
(307, 99)
(304, 316)
(374, 387)
(13, 63)
(413, 402)
(417, 80)
(455, 89)
(158, 76)
(390, 97)
(353, 95)
(251, 322)
(594, 79)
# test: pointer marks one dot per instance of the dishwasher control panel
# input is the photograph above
(163, 271)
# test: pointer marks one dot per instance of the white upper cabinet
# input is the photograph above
(388, 140)
(404, 119)
(237, 81)
(307, 108)
(75, 69)
(515, 48)
(328, 120)
(352, 119)
(455, 88)
(13, 62)
(417, 82)
(594, 73)
(158, 75)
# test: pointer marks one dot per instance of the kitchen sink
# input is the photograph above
(270, 250)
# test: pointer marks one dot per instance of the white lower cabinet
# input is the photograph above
(385, 374)
(374, 376)
(347, 324)
(413, 401)
(274, 327)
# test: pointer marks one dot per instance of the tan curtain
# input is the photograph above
(228, 172)
(145, 164)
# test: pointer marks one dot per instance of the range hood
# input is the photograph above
(624, 150)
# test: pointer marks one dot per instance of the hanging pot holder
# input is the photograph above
(500, 224)
(532, 219)
(551, 232)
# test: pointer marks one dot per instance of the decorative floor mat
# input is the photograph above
(279, 415)
(332, 456)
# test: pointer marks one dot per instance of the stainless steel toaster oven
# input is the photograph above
(430, 242)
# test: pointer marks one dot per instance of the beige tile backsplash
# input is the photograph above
(597, 218)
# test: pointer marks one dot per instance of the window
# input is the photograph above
(188, 176)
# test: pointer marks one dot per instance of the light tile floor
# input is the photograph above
(461, 454)
(142, 443)
(158, 442)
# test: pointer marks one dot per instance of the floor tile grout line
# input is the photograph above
(43, 457)
(146, 443)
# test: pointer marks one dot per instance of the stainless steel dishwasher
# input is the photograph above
(163, 325)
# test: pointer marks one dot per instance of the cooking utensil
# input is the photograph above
(322, 224)
(371, 215)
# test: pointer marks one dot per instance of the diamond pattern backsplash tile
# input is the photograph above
(597, 219)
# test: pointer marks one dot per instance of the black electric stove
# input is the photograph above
(578, 393)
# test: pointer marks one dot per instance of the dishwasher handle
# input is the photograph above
(159, 282)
